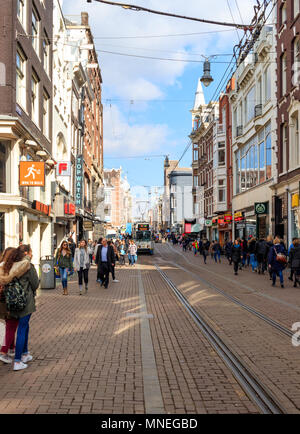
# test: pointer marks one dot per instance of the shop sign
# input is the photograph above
(70, 208)
(295, 200)
(63, 168)
(208, 223)
(238, 216)
(228, 218)
(87, 225)
(32, 174)
(261, 208)
(79, 181)
(221, 221)
(39, 206)
(215, 221)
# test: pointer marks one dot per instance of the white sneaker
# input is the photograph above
(26, 358)
(19, 365)
(116, 280)
(5, 359)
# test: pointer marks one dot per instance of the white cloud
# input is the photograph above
(123, 139)
(131, 77)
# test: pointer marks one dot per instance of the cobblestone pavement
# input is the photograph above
(130, 348)
(267, 352)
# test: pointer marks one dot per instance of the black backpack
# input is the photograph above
(15, 296)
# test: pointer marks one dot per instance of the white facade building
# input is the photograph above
(254, 137)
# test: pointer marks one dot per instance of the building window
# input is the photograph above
(283, 74)
(284, 138)
(267, 84)
(35, 98)
(296, 8)
(221, 154)
(253, 162)
(21, 78)
(46, 52)
(294, 141)
(21, 11)
(250, 104)
(283, 15)
(4, 167)
(222, 195)
(46, 100)
(296, 61)
(35, 29)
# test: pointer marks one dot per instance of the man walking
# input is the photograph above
(105, 260)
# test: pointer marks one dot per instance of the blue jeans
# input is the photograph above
(64, 276)
(217, 254)
(22, 338)
(277, 273)
(253, 261)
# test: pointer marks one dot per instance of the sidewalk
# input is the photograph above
(128, 349)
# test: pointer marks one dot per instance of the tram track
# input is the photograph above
(252, 386)
(281, 328)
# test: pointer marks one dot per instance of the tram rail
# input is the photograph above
(252, 386)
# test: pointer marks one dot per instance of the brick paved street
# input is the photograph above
(134, 349)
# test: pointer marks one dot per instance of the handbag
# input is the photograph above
(280, 257)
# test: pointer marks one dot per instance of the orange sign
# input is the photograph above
(32, 174)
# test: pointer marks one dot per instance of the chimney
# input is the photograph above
(84, 19)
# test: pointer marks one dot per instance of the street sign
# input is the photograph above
(79, 181)
(32, 174)
(87, 225)
(261, 208)
(63, 168)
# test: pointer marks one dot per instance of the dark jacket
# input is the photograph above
(228, 247)
(236, 253)
(251, 247)
(276, 265)
(110, 256)
(216, 247)
(261, 248)
(294, 258)
(64, 261)
(29, 281)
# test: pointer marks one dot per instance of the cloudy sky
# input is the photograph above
(147, 101)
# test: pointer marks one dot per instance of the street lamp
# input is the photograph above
(206, 78)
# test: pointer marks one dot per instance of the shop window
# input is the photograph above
(4, 167)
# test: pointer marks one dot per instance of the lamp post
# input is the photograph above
(206, 78)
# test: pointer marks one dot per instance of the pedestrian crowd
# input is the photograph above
(263, 255)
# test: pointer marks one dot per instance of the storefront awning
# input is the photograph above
(197, 228)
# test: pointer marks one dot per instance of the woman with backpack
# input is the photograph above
(64, 262)
(11, 324)
(277, 261)
(82, 264)
(20, 277)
